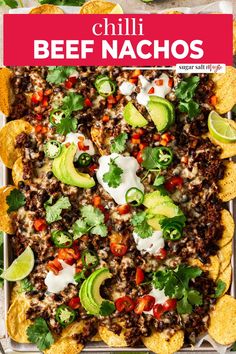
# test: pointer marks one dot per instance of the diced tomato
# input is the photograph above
(139, 276)
(213, 100)
(123, 209)
(82, 147)
(40, 224)
(167, 137)
(136, 73)
(37, 97)
(170, 82)
(105, 119)
(54, 266)
(118, 249)
(174, 182)
(163, 142)
(135, 141)
(47, 92)
(140, 131)
(87, 102)
(151, 91)
(118, 97)
(39, 117)
(142, 146)
(159, 82)
(124, 303)
(158, 311)
(69, 255)
(79, 266)
(96, 200)
(93, 168)
(44, 130)
(68, 84)
(67, 145)
(170, 304)
(157, 137)
(133, 80)
(74, 303)
(111, 99)
(144, 303)
(73, 79)
(45, 102)
(135, 136)
(139, 157)
(161, 254)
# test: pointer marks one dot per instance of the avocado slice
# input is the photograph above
(65, 171)
(90, 290)
(133, 117)
(161, 112)
(154, 198)
(167, 209)
(155, 222)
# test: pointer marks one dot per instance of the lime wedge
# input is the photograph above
(221, 129)
(21, 267)
(117, 10)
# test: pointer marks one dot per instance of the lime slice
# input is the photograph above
(21, 267)
(221, 129)
(117, 10)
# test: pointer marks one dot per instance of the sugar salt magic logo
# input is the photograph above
(121, 47)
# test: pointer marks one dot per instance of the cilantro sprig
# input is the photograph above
(13, 4)
(107, 308)
(185, 92)
(113, 176)
(175, 283)
(39, 334)
(15, 200)
(141, 226)
(53, 211)
(58, 74)
(119, 143)
(91, 221)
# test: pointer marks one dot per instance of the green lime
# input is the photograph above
(20, 267)
(221, 128)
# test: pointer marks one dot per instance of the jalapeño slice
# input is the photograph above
(134, 196)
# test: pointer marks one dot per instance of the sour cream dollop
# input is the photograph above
(57, 283)
(157, 90)
(160, 298)
(127, 88)
(129, 179)
(152, 244)
(74, 138)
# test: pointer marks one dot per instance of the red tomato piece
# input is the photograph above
(139, 276)
(174, 182)
(54, 266)
(144, 303)
(118, 249)
(162, 254)
(74, 303)
(40, 224)
(170, 304)
(158, 311)
(124, 303)
(123, 209)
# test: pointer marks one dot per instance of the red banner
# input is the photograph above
(127, 40)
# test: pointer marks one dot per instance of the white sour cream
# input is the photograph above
(74, 138)
(127, 88)
(158, 90)
(160, 298)
(129, 179)
(57, 283)
(152, 244)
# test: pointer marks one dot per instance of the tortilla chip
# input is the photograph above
(17, 171)
(6, 96)
(101, 140)
(228, 150)
(159, 342)
(228, 222)
(173, 12)
(6, 224)
(234, 37)
(47, 9)
(225, 90)
(213, 267)
(8, 153)
(96, 338)
(97, 7)
(227, 184)
(112, 339)
(226, 277)
(17, 323)
(222, 326)
(225, 254)
(66, 344)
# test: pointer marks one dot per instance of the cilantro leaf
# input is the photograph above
(185, 93)
(107, 308)
(78, 277)
(39, 334)
(159, 180)
(53, 212)
(73, 102)
(63, 2)
(25, 285)
(11, 3)
(118, 144)
(66, 125)
(113, 176)
(194, 297)
(220, 288)
(141, 226)
(59, 74)
(92, 221)
(183, 305)
(15, 200)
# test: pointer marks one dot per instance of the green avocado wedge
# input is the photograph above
(167, 209)
(89, 294)
(162, 112)
(63, 168)
(133, 117)
(154, 198)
